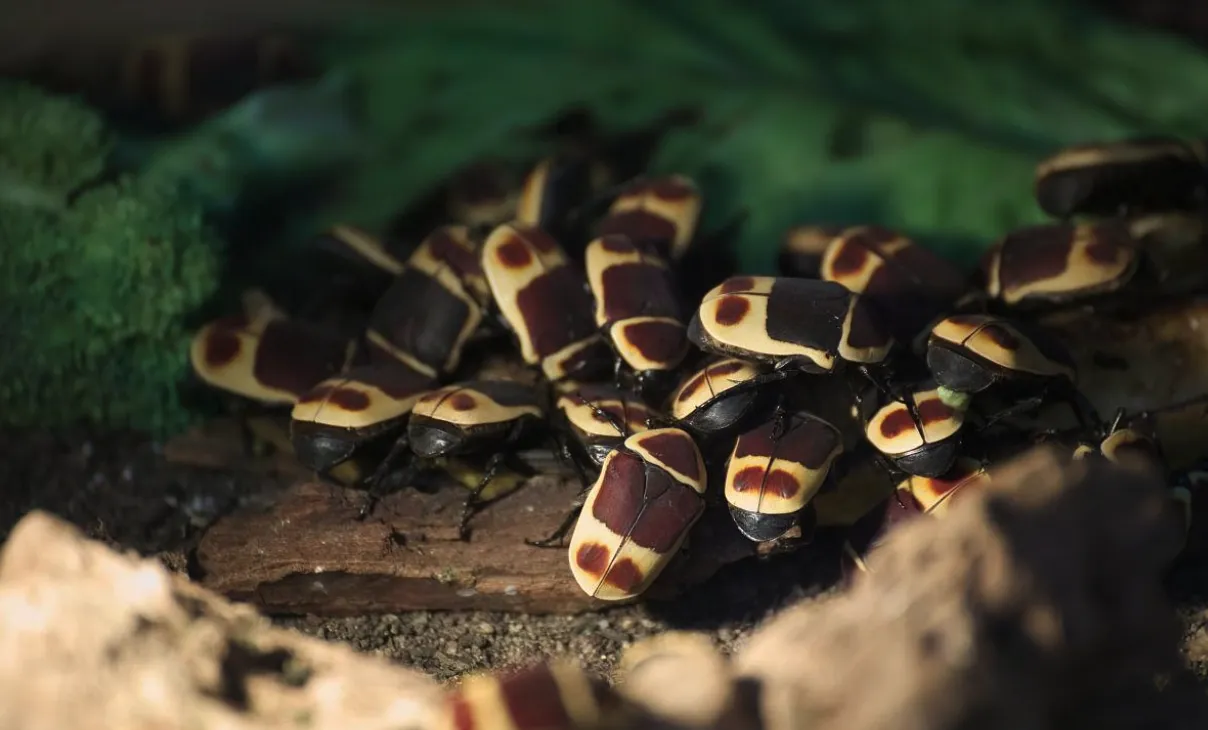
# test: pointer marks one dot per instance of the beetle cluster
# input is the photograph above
(762, 394)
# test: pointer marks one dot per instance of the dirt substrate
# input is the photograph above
(120, 490)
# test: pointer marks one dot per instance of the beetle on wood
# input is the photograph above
(544, 302)
(433, 307)
(599, 417)
(803, 248)
(775, 469)
(649, 494)
(1120, 177)
(555, 695)
(638, 310)
(907, 284)
(796, 325)
(919, 432)
(492, 417)
(1060, 263)
(658, 214)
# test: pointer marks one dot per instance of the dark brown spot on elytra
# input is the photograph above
(592, 558)
(533, 699)
(737, 284)
(616, 243)
(294, 356)
(636, 289)
(462, 402)
(463, 713)
(809, 443)
(624, 575)
(1002, 337)
(1108, 244)
(897, 422)
(1033, 254)
(221, 348)
(929, 411)
(782, 484)
(731, 310)
(644, 502)
(748, 479)
(446, 248)
(664, 343)
(850, 260)
(673, 450)
(865, 329)
(689, 389)
(933, 410)
(514, 254)
(670, 189)
(349, 399)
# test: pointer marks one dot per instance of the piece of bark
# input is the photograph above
(308, 553)
(96, 639)
(1036, 603)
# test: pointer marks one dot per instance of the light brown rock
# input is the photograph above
(97, 639)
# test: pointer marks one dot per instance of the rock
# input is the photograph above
(93, 638)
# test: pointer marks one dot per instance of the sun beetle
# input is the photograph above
(637, 514)
(599, 417)
(720, 398)
(545, 303)
(914, 496)
(551, 695)
(918, 431)
(775, 469)
(432, 308)
(800, 325)
(659, 214)
(907, 284)
(365, 408)
(553, 191)
(802, 250)
(1120, 177)
(638, 310)
(492, 417)
(1060, 263)
(271, 360)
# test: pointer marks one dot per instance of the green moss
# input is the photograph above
(93, 293)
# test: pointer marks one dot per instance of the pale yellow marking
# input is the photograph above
(368, 247)
(684, 214)
(911, 440)
(970, 335)
(634, 358)
(580, 413)
(635, 444)
(749, 335)
(528, 209)
(1081, 272)
(598, 260)
(379, 340)
(435, 404)
(714, 386)
(936, 502)
(808, 482)
(236, 376)
(865, 355)
(507, 282)
(808, 240)
(1115, 153)
(554, 365)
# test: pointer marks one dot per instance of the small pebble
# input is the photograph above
(485, 628)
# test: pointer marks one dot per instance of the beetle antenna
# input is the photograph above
(604, 415)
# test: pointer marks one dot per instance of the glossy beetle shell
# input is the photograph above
(1060, 262)
(660, 213)
(450, 419)
(584, 409)
(925, 448)
(970, 352)
(716, 397)
(648, 496)
(813, 324)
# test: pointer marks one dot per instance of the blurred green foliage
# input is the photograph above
(927, 115)
(97, 276)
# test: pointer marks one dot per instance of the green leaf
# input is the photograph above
(928, 116)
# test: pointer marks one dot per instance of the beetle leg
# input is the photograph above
(472, 504)
(554, 539)
(1023, 406)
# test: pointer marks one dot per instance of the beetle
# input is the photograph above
(551, 695)
(720, 398)
(919, 431)
(358, 246)
(907, 284)
(794, 324)
(1118, 177)
(638, 310)
(914, 496)
(556, 187)
(544, 302)
(432, 308)
(802, 250)
(659, 214)
(637, 514)
(362, 409)
(775, 469)
(475, 417)
(269, 359)
(1060, 263)
(599, 417)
